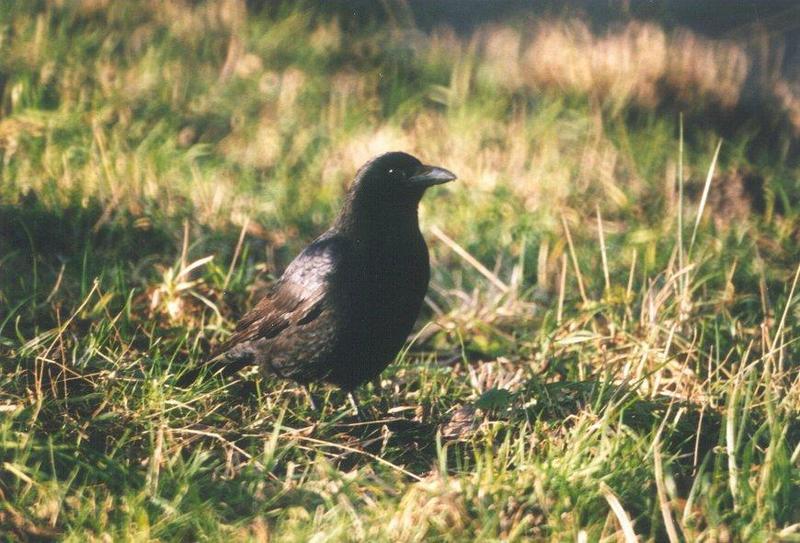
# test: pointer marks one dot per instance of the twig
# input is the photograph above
(358, 451)
(460, 251)
(663, 500)
(185, 244)
(561, 288)
(603, 247)
(236, 252)
(622, 516)
(574, 260)
(704, 198)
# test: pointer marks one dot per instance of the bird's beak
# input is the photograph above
(427, 176)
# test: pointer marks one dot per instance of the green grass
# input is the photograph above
(632, 381)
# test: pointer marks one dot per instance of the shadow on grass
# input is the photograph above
(50, 254)
(53, 254)
(403, 444)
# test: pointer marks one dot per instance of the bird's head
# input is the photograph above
(396, 178)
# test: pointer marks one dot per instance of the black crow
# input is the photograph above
(344, 307)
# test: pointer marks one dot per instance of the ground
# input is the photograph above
(608, 348)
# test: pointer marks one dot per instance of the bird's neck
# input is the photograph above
(372, 224)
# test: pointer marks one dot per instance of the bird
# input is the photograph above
(345, 306)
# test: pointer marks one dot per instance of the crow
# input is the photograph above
(345, 306)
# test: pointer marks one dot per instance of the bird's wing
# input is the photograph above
(296, 314)
(296, 297)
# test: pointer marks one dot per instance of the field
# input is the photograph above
(609, 345)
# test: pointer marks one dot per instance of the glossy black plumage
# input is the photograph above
(343, 308)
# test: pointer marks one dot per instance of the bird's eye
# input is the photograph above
(394, 172)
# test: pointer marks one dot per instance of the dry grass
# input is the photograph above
(638, 64)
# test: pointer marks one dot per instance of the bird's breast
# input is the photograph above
(402, 265)
(391, 282)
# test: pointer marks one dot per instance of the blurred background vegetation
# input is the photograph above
(608, 345)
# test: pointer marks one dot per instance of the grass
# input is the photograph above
(609, 346)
